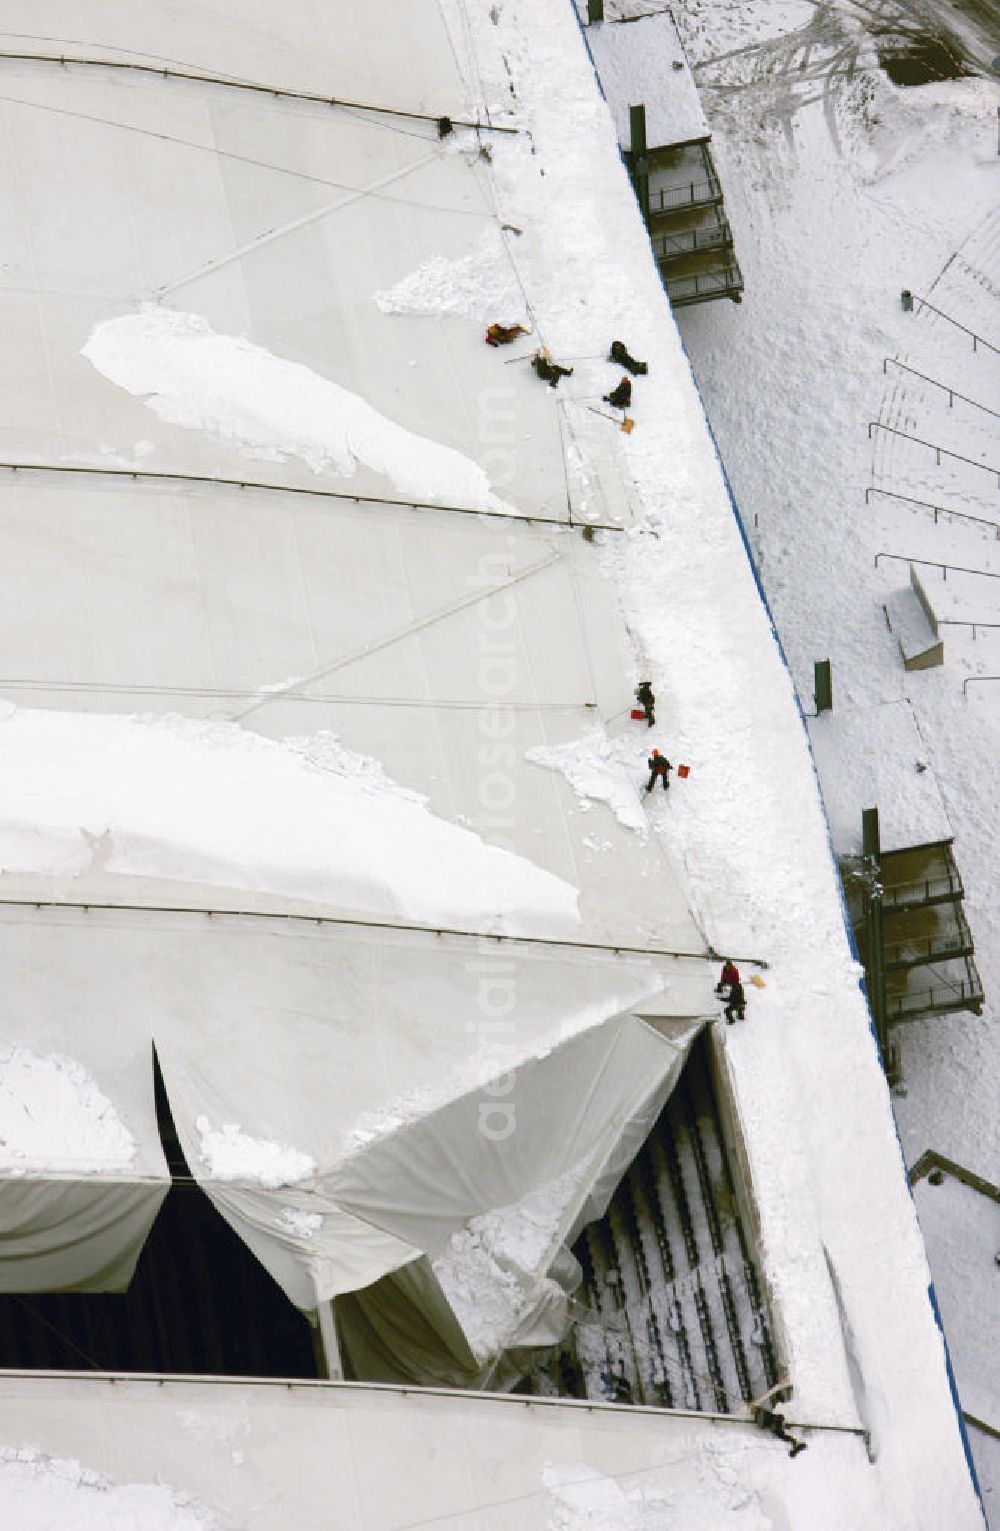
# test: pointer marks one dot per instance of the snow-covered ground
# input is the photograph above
(843, 190)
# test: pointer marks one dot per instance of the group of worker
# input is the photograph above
(659, 766)
(550, 371)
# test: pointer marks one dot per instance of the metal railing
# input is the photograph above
(952, 393)
(925, 889)
(878, 425)
(917, 950)
(930, 1159)
(965, 622)
(944, 510)
(691, 195)
(974, 680)
(903, 954)
(690, 242)
(686, 288)
(977, 340)
(933, 563)
(946, 996)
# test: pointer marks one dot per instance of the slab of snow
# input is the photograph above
(600, 770)
(243, 395)
(493, 1267)
(54, 1117)
(701, 1492)
(325, 750)
(486, 1298)
(874, 757)
(42, 1493)
(480, 286)
(231, 1154)
(211, 802)
(305, 1224)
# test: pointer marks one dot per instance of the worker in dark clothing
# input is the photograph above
(730, 974)
(659, 767)
(647, 701)
(774, 1423)
(548, 370)
(620, 355)
(620, 397)
(736, 1005)
(503, 334)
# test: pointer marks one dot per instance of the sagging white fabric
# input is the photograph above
(353, 1101)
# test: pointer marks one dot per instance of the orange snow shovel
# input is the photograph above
(757, 981)
(683, 770)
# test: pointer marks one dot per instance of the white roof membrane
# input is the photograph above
(349, 1099)
(443, 647)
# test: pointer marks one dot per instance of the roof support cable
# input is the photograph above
(148, 475)
(499, 938)
(275, 91)
(364, 651)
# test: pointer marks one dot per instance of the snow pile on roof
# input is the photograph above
(211, 802)
(486, 1298)
(40, 1493)
(708, 1492)
(479, 286)
(600, 770)
(305, 1224)
(231, 1154)
(490, 1269)
(874, 757)
(325, 751)
(53, 1116)
(245, 396)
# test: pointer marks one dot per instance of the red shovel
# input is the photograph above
(683, 770)
(637, 713)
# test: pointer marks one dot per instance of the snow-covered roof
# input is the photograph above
(331, 1088)
(874, 757)
(643, 62)
(268, 234)
(184, 1455)
(359, 717)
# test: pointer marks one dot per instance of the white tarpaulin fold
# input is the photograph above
(75, 1235)
(363, 1106)
(506, 1272)
(82, 1172)
(346, 1107)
